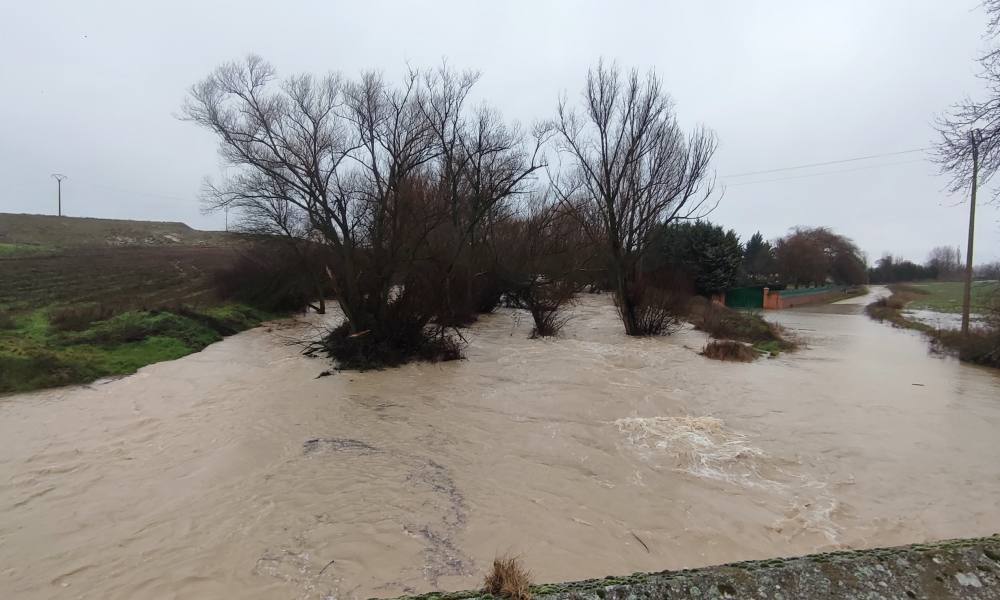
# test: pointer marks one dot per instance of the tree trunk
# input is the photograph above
(626, 304)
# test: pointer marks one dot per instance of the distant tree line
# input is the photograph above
(890, 269)
(944, 263)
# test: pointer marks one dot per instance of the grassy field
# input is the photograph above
(8, 250)
(946, 296)
(82, 299)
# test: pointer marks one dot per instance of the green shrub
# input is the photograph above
(37, 368)
(135, 326)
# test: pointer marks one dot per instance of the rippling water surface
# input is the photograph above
(236, 472)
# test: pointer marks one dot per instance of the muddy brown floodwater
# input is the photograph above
(235, 472)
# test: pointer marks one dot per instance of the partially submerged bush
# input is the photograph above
(729, 350)
(546, 300)
(386, 347)
(651, 309)
(889, 308)
(508, 579)
(725, 323)
(981, 346)
(464, 295)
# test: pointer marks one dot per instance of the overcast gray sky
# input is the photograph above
(92, 90)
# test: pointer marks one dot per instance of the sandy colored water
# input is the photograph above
(235, 472)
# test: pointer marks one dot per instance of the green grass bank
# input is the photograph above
(73, 344)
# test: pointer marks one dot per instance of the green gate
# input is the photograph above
(745, 297)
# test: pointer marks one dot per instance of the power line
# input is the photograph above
(904, 162)
(829, 162)
(132, 192)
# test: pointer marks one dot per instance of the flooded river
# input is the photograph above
(236, 472)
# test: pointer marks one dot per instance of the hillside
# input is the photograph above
(36, 232)
(47, 260)
(87, 298)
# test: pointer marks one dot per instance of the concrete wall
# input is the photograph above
(967, 569)
(775, 300)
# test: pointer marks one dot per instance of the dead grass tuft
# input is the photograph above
(508, 579)
(78, 317)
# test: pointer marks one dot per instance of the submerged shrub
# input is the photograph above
(546, 300)
(981, 346)
(725, 323)
(377, 348)
(652, 310)
(729, 350)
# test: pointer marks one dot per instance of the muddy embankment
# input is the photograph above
(966, 569)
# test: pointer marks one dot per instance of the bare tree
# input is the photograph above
(483, 164)
(946, 262)
(544, 255)
(974, 122)
(631, 169)
(373, 175)
(816, 255)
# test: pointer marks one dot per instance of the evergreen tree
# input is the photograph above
(709, 256)
(758, 260)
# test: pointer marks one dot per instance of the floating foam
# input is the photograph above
(703, 447)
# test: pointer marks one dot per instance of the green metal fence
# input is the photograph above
(745, 297)
(808, 291)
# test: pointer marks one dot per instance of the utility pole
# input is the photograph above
(975, 136)
(59, 179)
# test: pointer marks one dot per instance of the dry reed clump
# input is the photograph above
(508, 579)
(78, 317)
(729, 350)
